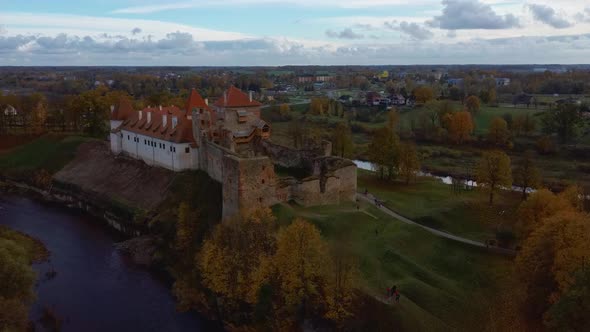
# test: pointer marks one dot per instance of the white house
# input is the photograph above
(160, 136)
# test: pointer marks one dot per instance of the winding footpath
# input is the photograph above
(369, 198)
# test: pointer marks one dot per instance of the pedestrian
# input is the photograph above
(358, 207)
(397, 296)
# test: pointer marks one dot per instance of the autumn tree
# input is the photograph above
(498, 133)
(16, 284)
(539, 206)
(570, 312)
(342, 276)
(550, 258)
(523, 124)
(393, 121)
(301, 260)
(284, 110)
(342, 140)
(409, 163)
(460, 126)
(526, 174)
(185, 228)
(38, 114)
(236, 261)
(493, 172)
(472, 104)
(383, 152)
(423, 94)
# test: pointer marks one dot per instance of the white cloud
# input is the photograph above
(54, 24)
(146, 9)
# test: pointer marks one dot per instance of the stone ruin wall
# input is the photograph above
(332, 180)
(251, 182)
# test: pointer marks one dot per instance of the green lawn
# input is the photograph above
(442, 283)
(50, 152)
(434, 204)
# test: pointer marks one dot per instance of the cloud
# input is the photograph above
(344, 34)
(154, 8)
(181, 48)
(136, 31)
(548, 16)
(2, 29)
(467, 14)
(414, 30)
(583, 16)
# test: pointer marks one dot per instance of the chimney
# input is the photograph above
(207, 101)
(250, 93)
(140, 114)
(112, 108)
(164, 120)
(149, 117)
(174, 122)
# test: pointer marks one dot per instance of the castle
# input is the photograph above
(229, 141)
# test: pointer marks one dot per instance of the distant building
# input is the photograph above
(524, 99)
(458, 82)
(502, 81)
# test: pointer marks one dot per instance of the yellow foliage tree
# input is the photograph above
(284, 109)
(551, 256)
(235, 261)
(574, 195)
(342, 140)
(342, 278)
(493, 172)
(460, 126)
(409, 163)
(423, 94)
(539, 206)
(498, 132)
(301, 260)
(472, 104)
(526, 174)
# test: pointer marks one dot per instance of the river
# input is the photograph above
(96, 288)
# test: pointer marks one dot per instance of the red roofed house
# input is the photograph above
(170, 137)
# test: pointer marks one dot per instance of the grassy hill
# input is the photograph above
(444, 285)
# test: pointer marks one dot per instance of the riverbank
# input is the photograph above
(18, 253)
(94, 286)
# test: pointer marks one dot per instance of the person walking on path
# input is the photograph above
(397, 296)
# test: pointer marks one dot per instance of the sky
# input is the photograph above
(293, 32)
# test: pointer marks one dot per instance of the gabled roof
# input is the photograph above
(182, 133)
(235, 97)
(123, 110)
(195, 101)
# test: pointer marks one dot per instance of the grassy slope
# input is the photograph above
(440, 281)
(432, 203)
(50, 152)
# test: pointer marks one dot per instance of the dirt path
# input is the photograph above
(369, 198)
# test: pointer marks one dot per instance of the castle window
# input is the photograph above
(164, 146)
(259, 199)
(187, 149)
(202, 122)
(128, 137)
(263, 167)
(174, 149)
(262, 181)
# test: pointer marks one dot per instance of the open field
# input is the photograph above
(434, 204)
(444, 285)
(49, 152)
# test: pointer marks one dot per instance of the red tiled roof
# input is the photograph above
(182, 133)
(235, 97)
(123, 110)
(195, 101)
